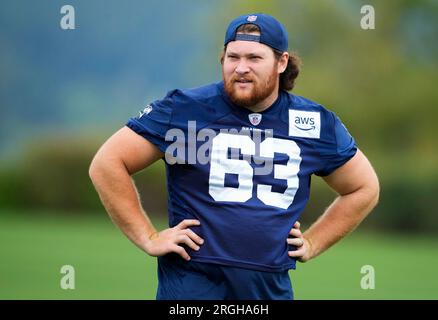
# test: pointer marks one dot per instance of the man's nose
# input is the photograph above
(242, 67)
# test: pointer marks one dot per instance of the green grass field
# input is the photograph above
(33, 248)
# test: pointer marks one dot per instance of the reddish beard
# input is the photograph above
(259, 91)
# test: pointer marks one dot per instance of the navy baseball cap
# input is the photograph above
(272, 32)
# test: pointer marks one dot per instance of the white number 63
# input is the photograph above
(220, 165)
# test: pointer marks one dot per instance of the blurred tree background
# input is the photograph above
(63, 92)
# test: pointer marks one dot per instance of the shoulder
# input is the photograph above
(305, 104)
(300, 106)
(179, 98)
(202, 94)
(203, 104)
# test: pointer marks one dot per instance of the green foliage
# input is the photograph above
(11, 187)
(57, 175)
(53, 174)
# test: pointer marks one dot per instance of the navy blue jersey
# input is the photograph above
(245, 176)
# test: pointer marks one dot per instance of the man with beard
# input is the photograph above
(233, 230)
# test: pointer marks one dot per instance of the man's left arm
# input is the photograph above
(358, 187)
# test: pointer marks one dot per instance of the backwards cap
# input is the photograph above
(272, 32)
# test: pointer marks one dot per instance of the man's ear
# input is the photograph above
(221, 58)
(282, 62)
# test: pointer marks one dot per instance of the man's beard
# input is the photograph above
(259, 91)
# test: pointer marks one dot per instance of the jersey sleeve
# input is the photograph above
(336, 146)
(154, 121)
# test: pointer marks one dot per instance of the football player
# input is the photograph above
(239, 157)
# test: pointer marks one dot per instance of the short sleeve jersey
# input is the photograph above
(245, 176)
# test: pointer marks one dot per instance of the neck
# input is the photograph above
(266, 103)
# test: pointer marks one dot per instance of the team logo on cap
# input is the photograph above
(251, 18)
(255, 118)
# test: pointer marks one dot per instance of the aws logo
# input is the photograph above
(305, 124)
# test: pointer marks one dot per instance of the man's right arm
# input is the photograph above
(122, 155)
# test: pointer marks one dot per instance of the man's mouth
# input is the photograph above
(243, 80)
(243, 83)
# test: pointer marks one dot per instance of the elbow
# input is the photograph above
(375, 198)
(94, 170)
(374, 192)
(103, 166)
(368, 194)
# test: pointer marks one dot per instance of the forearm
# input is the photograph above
(341, 217)
(120, 198)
